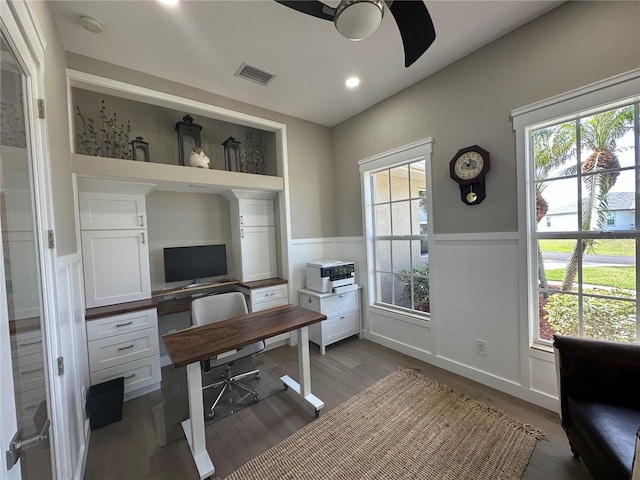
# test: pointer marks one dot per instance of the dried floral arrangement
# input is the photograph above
(252, 155)
(108, 139)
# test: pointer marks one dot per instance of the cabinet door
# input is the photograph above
(258, 246)
(116, 266)
(111, 211)
(256, 213)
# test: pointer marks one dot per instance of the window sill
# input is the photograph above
(403, 315)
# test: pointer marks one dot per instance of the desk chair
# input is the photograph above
(214, 308)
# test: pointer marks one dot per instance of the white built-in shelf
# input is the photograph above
(174, 178)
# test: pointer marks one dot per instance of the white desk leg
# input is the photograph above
(194, 426)
(304, 362)
(304, 370)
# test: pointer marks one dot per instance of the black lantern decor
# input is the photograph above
(231, 154)
(188, 137)
(140, 149)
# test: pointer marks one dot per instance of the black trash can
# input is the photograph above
(104, 403)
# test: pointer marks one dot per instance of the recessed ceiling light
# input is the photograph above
(91, 24)
(169, 3)
(352, 82)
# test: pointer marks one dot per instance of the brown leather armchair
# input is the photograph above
(599, 384)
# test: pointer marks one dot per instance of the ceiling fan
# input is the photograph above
(357, 19)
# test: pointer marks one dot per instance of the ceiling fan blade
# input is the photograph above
(314, 8)
(416, 28)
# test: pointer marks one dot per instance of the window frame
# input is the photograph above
(417, 151)
(610, 93)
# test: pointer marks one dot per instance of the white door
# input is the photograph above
(24, 425)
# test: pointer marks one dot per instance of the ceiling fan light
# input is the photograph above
(357, 19)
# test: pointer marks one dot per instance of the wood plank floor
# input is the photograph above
(130, 449)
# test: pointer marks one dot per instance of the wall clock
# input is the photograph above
(468, 167)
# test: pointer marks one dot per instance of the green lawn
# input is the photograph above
(624, 247)
(618, 277)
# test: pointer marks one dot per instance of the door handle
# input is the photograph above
(17, 444)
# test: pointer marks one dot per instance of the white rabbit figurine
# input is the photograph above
(198, 158)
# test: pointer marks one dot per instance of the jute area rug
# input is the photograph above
(405, 426)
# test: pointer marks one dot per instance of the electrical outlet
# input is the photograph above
(481, 347)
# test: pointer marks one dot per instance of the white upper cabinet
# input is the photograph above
(109, 211)
(253, 234)
(115, 245)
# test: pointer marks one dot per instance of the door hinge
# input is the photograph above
(60, 366)
(52, 239)
(41, 112)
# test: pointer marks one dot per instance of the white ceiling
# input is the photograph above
(203, 43)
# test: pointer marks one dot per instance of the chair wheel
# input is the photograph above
(258, 375)
(256, 398)
(317, 413)
(211, 414)
(286, 387)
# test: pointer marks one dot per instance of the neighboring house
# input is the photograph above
(621, 215)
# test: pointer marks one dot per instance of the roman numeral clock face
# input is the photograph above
(468, 167)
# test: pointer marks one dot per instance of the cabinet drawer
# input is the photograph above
(136, 374)
(112, 351)
(269, 304)
(330, 304)
(26, 343)
(269, 294)
(28, 372)
(335, 328)
(118, 324)
(106, 211)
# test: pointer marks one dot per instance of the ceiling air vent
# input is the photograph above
(254, 74)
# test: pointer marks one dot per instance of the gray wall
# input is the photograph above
(470, 102)
(309, 147)
(185, 219)
(55, 82)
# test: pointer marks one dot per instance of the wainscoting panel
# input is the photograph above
(475, 307)
(476, 287)
(403, 333)
(71, 391)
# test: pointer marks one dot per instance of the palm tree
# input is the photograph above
(552, 146)
(599, 133)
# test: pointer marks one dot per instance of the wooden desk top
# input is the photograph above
(198, 343)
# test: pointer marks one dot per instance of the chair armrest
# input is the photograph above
(597, 370)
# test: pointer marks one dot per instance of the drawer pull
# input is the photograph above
(142, 220)
(29, 372)
(271, 294)
(125, 348)
(309, 300)
(130, 376)
(27, 344)
(124, 324)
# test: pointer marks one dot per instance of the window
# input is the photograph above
(584, 280)
(396, 199)
(611, 218)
